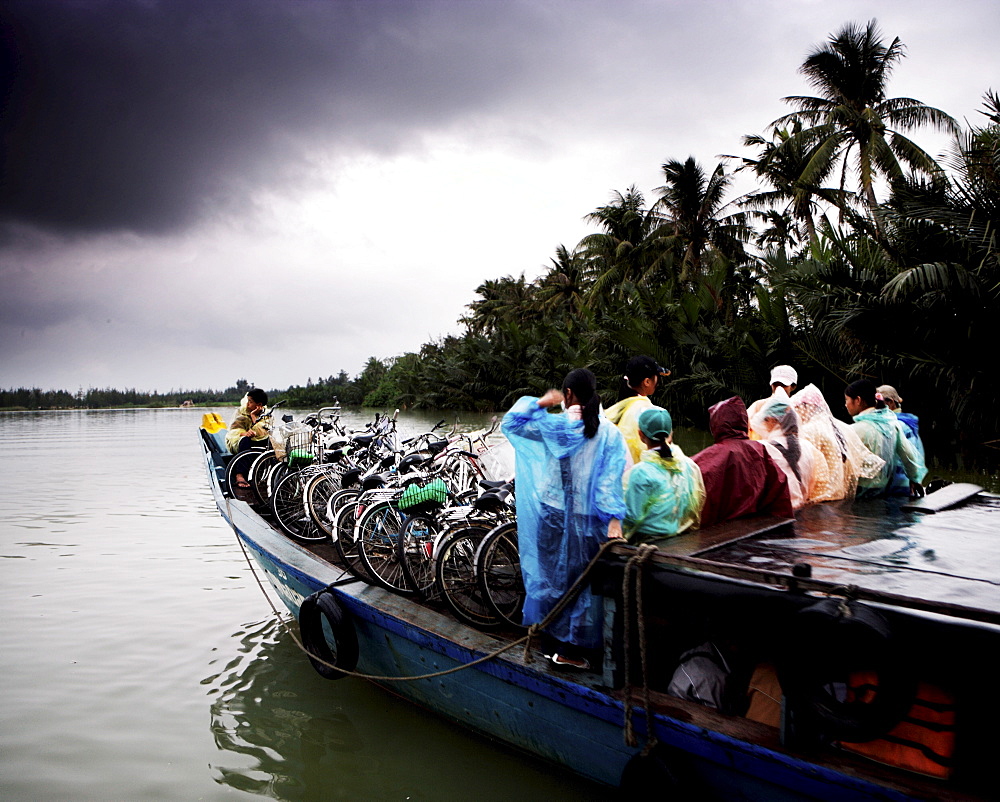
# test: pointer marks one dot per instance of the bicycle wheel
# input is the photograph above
(239, 464)
(273, 475)
(377, 532)
(289, 506)
(455, 574)
(498, 571)
(259, 472)
(415, 553)
(321, 487)
(461, 473)
(347, 548)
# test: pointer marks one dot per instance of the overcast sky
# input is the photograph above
(196, 191)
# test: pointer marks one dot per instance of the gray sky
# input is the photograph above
(196, 191)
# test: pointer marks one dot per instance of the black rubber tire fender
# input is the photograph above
(828, 641)
(315, 609)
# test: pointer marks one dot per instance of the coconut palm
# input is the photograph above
(620, 251)
(781, 163)
(501, 301)
(852, 121)
(692, 205)
(563, 289)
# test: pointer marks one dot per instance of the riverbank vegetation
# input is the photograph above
(858, 255)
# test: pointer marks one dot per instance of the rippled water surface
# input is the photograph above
(139, 659)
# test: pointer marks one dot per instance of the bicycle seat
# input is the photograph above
(363, 440)
(335, 456)
(491, 501)
(489, 484)
(350, 477)
(437, 446)
(373, 481)
(410, 463)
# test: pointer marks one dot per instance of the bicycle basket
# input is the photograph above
(298, 448)
(435, 491)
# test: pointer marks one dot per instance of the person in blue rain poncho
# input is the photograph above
(911, 427)
(569, 501)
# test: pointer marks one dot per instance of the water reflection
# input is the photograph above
(285, 733)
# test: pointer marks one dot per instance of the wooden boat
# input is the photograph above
(752, 589)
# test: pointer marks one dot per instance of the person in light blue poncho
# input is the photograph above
(885, 437)
(569, 501)
(664, 493)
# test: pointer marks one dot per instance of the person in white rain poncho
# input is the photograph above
(778, 427)
(784, 379)
(845, 455)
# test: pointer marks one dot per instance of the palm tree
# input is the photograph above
(618, 253)
(563, 290)
(852, 120)
(949, 287)
(781, 163)
(691, 204)
(503, 300)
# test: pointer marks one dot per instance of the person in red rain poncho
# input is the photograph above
(740, 477)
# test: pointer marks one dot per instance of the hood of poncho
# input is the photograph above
(727, 420)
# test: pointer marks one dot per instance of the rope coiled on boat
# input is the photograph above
(634, 571)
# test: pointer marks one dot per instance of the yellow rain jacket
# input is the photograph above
(625, 415)
(243, 423)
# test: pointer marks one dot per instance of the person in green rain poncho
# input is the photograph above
(885, 437)
(664, 493)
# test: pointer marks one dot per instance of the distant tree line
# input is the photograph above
(94, 398)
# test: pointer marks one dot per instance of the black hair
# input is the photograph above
(257, 395)
(865, 390)
(663, 449)
(638, 369)
(584, 386)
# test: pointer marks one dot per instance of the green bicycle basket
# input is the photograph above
(434, 491)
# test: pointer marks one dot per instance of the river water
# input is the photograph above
(139, 659)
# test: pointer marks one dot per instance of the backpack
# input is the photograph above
(701, 676)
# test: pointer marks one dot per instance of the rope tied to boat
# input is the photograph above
(554, 613)
(632, 582)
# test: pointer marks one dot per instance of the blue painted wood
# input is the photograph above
(523, 704)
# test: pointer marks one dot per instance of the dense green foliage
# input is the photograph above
(811, 269)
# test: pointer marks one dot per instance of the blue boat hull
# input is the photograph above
(523, 704)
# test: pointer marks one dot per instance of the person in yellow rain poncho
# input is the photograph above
(847, 459)
(642, 375)
(664, 493)
(247, 430)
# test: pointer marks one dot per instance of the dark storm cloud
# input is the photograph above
(138, 115)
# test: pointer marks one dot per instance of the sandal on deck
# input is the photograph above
(562, 661)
